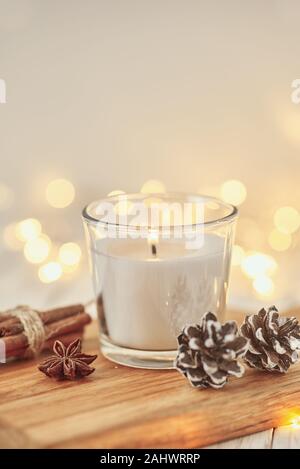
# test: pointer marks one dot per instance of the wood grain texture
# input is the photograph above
(120, 407)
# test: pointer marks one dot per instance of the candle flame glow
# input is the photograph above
(152, 237)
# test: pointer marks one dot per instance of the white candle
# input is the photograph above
(148, 297)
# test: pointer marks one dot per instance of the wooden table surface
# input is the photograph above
(121, 407)
(24, 404)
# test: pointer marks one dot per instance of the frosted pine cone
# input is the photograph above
(207, 353)
(273, 340)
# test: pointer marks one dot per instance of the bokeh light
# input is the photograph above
(6, 197)
(60, 193)
(152, 201)
(258, 264)
(69, 254)
(279, 241)
(115, 193)
(153, 186)
(233, 192)
(50, 272)
(287, 219)
(28, 229)
(10, 239)
(238, 255)
(295, 422)
(263, 285)
(291, 418)
(37, 250)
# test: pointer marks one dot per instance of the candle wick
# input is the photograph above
(153, 250)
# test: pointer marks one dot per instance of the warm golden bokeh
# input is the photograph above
(152, 201)
(114, 193)
(287, 219)
(295, 423)
(37, 250)
(10, 239)
(258, 264)
(28, 229)
(69, 254)
(153, 186)
(60, 193)
(279, 241)
(233, 192)
(263, 285)
(50, 272)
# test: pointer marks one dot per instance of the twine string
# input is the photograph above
(33, 327)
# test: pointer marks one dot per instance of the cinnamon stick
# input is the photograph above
(67, 325)
(4, 317)
(12, 325)
(53, 330)
(48, 345)
(65, 338)
(55, 314)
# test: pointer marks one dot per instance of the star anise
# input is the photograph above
(68, 362)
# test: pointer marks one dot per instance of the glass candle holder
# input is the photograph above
(159, 262)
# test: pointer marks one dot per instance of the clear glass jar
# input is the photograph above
(158, 262)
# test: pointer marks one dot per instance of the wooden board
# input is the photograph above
(120, 407)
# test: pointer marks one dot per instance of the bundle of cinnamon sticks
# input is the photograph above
(65, 324)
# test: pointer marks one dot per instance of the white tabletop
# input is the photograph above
(275, 438)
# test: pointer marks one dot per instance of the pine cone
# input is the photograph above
(273, 340)
(207, 353)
